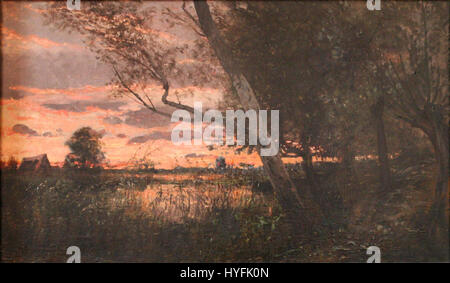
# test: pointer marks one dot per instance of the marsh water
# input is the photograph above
(178, 202)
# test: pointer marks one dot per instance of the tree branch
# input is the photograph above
(137, 96)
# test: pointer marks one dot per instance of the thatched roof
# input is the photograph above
(35, 163)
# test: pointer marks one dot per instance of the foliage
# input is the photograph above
(12, 163)
(123, 217)
(86, 149)
(141, 54)
(144, 162)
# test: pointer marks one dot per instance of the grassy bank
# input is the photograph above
(208, 217)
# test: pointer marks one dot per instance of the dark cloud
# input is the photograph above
(24, 130)
(195, 155)
(57, 69)
(157, 135)
(145, 118)
(139, 139)
(14, 94)
(80, 106)
(122, 136)
(112, 120)
(59, 132)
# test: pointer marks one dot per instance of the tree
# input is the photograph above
(285, 70)
(12, 163)
(122, 36)
(86, 150)
(309, 60)
(377, 111)
(300, 210)
(416, 70)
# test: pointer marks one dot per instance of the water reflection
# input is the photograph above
(178, 203)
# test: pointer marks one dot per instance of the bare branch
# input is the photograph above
(413, 104)
(194, 27)
(174, 104)
(149, 100)
(196, 22)
(138, 97)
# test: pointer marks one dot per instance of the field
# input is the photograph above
(232, 216)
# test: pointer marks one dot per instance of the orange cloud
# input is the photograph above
(31, 8)
(67, 91)
(10, 37)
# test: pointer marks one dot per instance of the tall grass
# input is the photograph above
(117, 218)
(127, 216)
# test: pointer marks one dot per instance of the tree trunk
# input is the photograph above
(348, 157)
(348, 175)
(300, 211)
(439, 227)
(308, 168)
(383, 159)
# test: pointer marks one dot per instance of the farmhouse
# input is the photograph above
(37, 163)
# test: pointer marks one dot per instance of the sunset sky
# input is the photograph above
(52, 85)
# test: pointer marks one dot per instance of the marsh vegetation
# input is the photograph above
(121, 216)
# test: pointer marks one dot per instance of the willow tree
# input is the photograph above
(416, 74)
(125, 35)
(311, 61)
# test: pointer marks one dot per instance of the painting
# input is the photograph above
(224, 131)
